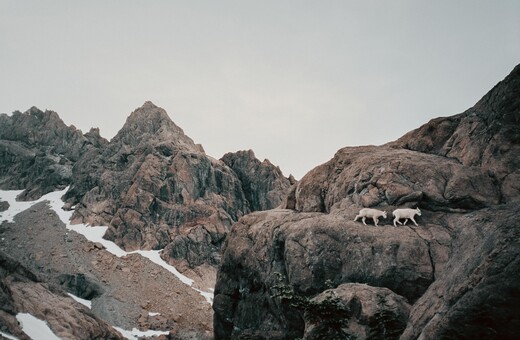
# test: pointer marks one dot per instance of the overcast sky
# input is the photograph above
(293, 80)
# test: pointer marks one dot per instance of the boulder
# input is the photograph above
(373, 312)
(21, 291)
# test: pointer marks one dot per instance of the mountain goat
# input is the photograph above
(406, 214)
(372, 213)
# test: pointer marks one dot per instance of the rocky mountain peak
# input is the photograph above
(32, 126)
(34, 111)
(37, 151)
(151, 124)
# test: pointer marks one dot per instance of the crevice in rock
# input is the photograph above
(430, 255)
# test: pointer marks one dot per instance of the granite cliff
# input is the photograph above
(452, 276)
(38, 151)
(154, 188)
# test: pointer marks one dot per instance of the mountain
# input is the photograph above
(452, 276)
(38, 151)
(288, 259)
(154, 188)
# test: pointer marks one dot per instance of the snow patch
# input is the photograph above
(84, 302)
(93, 234)
(207, 295)
(155, 257)
(8, 336)
(153, 314)
(35, 328)
(15, 207)
(134, 334)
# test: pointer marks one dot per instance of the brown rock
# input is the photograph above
(37, 151)
(486, 135)
(374, 312)
(263, 184)
(309, 249)
(21, 292)
(155, 188)
(477, 294)
(459, 267)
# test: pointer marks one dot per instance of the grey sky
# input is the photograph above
(292, 80)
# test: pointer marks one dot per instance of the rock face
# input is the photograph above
(374, 312)
(485, 136)
(151, 183)
(456, 269)
(22, 292)
(263, 184)
(477, 294)
(38, 151)
(157, 189)
(308, 249)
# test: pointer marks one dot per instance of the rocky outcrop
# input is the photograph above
(486, 136)
(151, 184)
(309, 249)
(155, 188)
(477, 295)
(455, 269)
(263, 184)
(22, 292)
(38, 151)
(373, 312)
(388, 177)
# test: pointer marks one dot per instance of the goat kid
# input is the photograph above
(371, 213)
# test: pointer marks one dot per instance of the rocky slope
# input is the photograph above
(38, 151)
(123, 290)
(263, 183)
(456, 270)
(154, 188)
(22, 291)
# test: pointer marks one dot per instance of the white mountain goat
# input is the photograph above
(406, 214)
(372, 213)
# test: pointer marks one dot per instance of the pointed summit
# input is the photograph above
(149, 118)
(152, 124)
(148, 104)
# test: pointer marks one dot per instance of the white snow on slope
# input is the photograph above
(93, 234)
(15, 207)
(134, 334)
(35, 328)
(84, 302)
(155, 257)
(8, 336)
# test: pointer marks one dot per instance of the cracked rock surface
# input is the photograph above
(456, 269)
